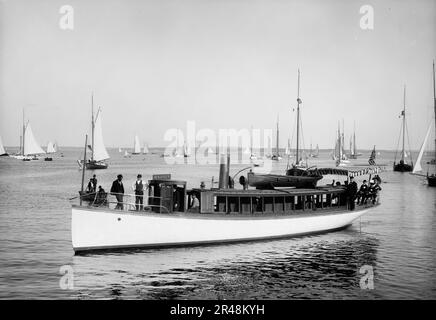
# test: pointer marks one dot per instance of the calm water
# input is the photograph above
(397, 239)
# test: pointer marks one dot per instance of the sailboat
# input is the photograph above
(126, 154)
(296, 176)
(136, 146)
(276, 156)
(299, 164)
(145, 149)
(316, 154)
(186, 150)
(98, 150)
(120, 150)
(417, 169)
(3, 152)
(51, 148)
(339, 153)
(31, 148)
(402, 165)
(288, 149)
(353, 149)
(252, 154)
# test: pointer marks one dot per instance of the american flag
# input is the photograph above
(371, 160)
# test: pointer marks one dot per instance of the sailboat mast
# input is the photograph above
(298, 119)
(434, 98)
(339, 142)
(277, 138)
(354, 139)
(93, 124)
(404, 122)
(24, 129)
(251, 141)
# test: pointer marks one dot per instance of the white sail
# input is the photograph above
(145, 149)
(136, 147)
(417, 166)
(51, 147)
(126, 154)
(30, 144)
(2, 149)
(247, 151)
(120, 150)
(99, 152)
(186, 150)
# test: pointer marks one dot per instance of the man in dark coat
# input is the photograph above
(351, 193)
(117, 190)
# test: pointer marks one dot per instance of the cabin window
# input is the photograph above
(309, 202)
(299, 202)
(233, 204)
(257, 204)
(289, 203)
(279, 203)
(318, 201)
(269, 204)
(221, 204)
(245, 204)
(329, 199)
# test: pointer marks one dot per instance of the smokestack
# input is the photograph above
(224, 173)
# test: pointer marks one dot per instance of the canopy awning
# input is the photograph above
(350, 171)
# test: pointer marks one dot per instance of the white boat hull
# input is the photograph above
(94, 229)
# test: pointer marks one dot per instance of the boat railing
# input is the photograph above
(127, 203)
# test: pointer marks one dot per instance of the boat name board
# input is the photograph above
(162, 177)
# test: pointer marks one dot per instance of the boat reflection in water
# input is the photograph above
(324, 266)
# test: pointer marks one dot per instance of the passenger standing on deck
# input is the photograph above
(139, 187)
(94, 183)
(117, 190)
(351, 192)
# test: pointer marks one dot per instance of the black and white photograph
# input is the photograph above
(217, 150)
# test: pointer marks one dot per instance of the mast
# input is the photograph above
(354, 139)
(404, 122)
(93, 124)
(83, 168)
(24, 129)
(277, 138)
(298, 119)
(434, 98)
(251, 141)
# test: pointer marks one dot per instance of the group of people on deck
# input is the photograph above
(139, 186)
(117, 190)
(363, 194)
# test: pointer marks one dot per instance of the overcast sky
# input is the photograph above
(153, 65)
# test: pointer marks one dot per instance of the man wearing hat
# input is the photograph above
(351, 192)
(117, 190)
(139, 187)
(362, 194)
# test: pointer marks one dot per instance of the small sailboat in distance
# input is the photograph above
(316, 154)
(402, 165)
(417, 169)
(50, 150)
(136, 146)
(276, 156)
(353, 149)
(31, 147)
(3, 152)
(186, 150)
(339, 153)
(98, 150)
(145, 149)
